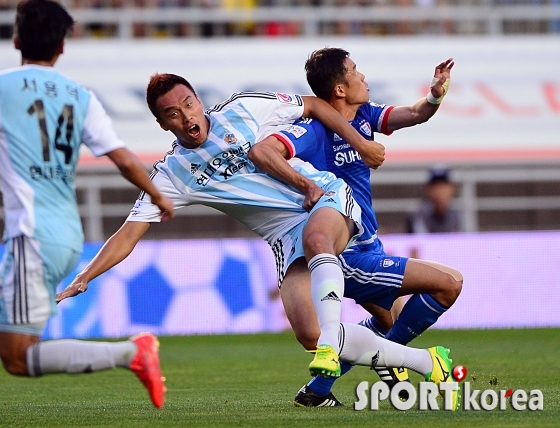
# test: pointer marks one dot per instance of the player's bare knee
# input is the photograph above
(316, 242)
(15, 366)
(450, 292)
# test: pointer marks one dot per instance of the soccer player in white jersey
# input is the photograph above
(44, 118)
(372, 278)
(209, 165)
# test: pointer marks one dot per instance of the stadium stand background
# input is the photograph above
(494, 196)
(219, 18)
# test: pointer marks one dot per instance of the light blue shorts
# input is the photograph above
(29, 274)
(289, 247)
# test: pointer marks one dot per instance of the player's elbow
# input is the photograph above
(257, 154)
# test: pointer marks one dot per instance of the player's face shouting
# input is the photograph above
(181, 112)
(358, 91)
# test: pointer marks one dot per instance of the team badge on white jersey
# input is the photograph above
(230, 139)
(286, 98)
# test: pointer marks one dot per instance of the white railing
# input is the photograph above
(467, 178)
(490, 18)
(92, 184)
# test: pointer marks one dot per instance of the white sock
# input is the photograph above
(360, 346)
(77, 356)
(327, 290)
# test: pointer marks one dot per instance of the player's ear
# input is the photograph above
(60, 49)
(16, 43)
(339, 90)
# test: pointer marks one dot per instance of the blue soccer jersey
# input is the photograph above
(44, 118)
(310, 141)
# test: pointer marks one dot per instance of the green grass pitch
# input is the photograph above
(250, 381)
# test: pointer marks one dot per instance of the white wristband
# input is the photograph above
(433, 100)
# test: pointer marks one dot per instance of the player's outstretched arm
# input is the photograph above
(133, 170)
(424, 108)
(372, 153)
(115, 250)
(269, 155)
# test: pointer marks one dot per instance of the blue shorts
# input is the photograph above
(289, 247)
(372, 276)
(29, 274)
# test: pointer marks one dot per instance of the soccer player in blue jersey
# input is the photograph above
(209, 165)
(372, 278)
(44, 118)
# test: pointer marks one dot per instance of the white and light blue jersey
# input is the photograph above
(312, 142)
(219, 174)
(44, 118)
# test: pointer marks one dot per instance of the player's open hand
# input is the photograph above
(441, 75)
(77, 286)
(374, 154)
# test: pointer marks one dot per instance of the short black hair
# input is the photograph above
(325, 69)
(40, 27)
(161, 84)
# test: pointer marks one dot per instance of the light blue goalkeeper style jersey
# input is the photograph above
(219, 174)
(44, 118)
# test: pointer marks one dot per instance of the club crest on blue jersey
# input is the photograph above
(366, 128)
(230, 138)
(336, 137)
(388, 263)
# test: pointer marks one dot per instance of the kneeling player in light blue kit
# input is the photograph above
(307, 222)
(372, 278)
(44, 119)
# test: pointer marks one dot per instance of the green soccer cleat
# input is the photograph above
(325, 362)
(441, 372)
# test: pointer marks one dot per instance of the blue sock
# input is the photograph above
(372, 324)
(418, 314)
(323, 385)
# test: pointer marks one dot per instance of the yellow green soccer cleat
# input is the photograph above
(325, 362)
(441, 372)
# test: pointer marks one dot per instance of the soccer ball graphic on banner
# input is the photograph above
(174, 287)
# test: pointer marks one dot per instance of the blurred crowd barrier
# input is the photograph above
(218, 18)
(498, 128)
(229, 286)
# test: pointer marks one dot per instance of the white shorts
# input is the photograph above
(289, 247)
(29, 274)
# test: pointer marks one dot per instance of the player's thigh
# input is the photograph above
(327, 231)
(372, 277)
(424, 276)
(295, 292)
(334, 221)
